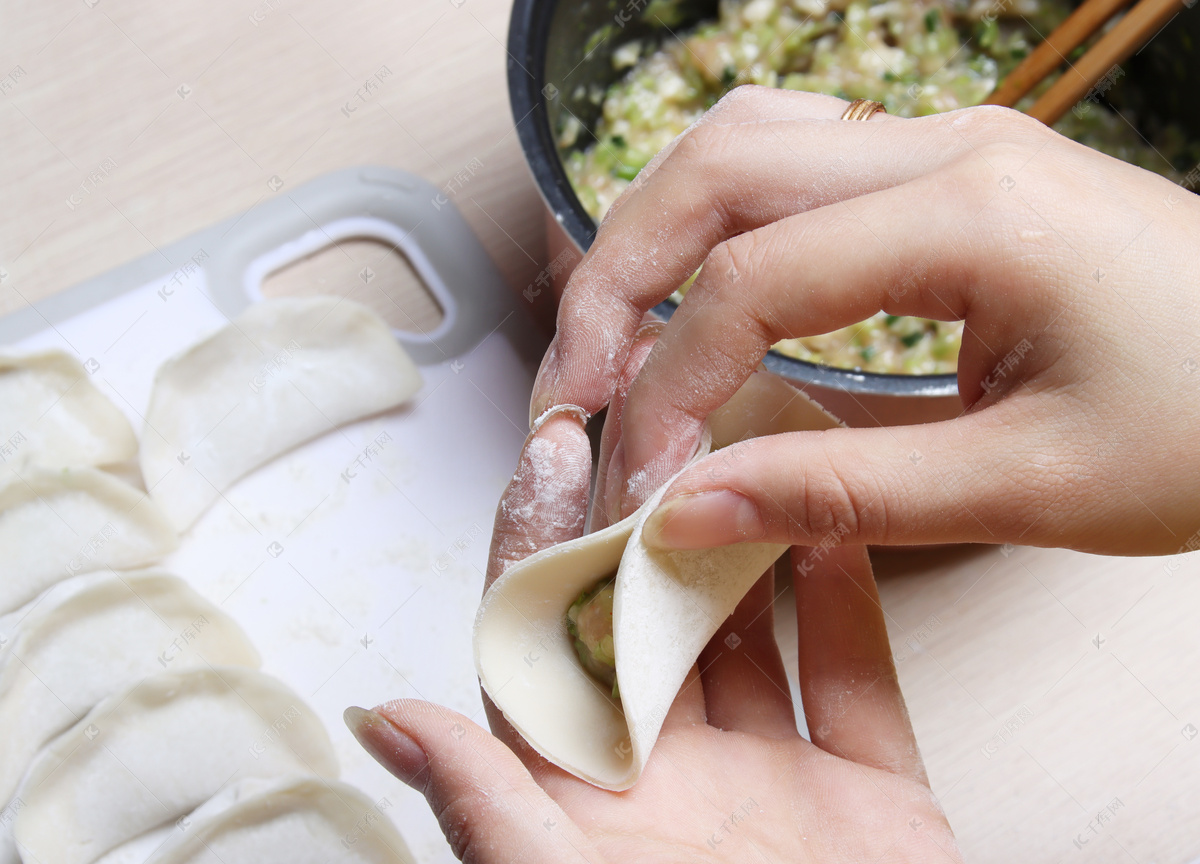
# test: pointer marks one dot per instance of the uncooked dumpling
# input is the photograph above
(59, 523)
(667, 606)
(304, 820)
(94, 635)
(282, 372)
(51, 414)
(149, 755)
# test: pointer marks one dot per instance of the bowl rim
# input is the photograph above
(528, 32)
(527, 36)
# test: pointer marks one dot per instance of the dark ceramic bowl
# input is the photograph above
(555, 58)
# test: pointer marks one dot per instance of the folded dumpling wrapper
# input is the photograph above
(93, 635)
(667, 606)
(57, 523)
(51, 414)
(298, 820)
(282, 372)
(144, 757)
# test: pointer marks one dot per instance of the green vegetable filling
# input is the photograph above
(590, 623)
(917, 57)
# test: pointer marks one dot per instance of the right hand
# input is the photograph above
(1077, 276)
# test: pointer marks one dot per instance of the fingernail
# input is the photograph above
(573, 411)
(384, 740)
(703, 520)
(544, 383)
(652, 328)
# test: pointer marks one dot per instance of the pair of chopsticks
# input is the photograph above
(1094, 71)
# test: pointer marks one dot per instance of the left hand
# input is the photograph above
(730, 778)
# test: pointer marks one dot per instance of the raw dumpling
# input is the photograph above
(51, 414)
(304, 820)
(667, 606)
(283, 372)
(60, 523)
(94, 635)
(149, 755)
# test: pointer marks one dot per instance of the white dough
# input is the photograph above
(666, 608)
(94, 635)
(59, 523)
(303, 820)
(149, 755)
(51, 414)
(282, 372)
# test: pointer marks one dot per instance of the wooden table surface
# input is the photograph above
(1055, 694)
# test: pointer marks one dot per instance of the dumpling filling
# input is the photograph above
(590, 623)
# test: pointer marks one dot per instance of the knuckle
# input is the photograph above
(738, 272)
(827, 509)
(455, 818)
(972, 186)
(730, 260)
(830, 506)
(1003, 137)
(702, 160)
(738, 261)
(699, 144)
(468, 820)
(744, 95)
(1002, 120)
(695, 382)
(697, 172)
(999, 152)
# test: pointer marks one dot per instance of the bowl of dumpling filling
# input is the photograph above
(598, 87)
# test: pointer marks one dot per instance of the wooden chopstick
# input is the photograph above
(1102, 61)
(1056, 47)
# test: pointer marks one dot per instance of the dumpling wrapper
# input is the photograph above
(282, 372)
(51, 414)
(59, 523)
(94, 635)
(667, 605)
(147, 756)
(302, 820)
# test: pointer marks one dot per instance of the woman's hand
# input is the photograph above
(1078, 277)
(730, 779)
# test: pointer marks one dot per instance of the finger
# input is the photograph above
(487, 804)
(546, 500)
(819, 271)
(748, 104)
(606, 503)
(719, 181)
(545, 504)
(688, 708)
(959, 481)
(852, 700)
(745, 684)
(822, 270)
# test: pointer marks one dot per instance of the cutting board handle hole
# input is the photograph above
(372, 272)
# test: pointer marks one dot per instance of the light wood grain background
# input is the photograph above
(1056, 695)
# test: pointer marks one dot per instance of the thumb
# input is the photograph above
(487, 803)
(970, 479)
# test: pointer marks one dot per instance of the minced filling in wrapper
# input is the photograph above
(590, 623)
